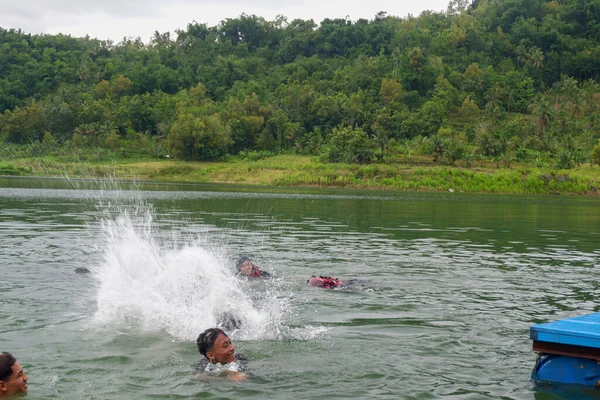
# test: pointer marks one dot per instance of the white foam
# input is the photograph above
(153, 284)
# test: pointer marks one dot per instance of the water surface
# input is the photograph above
(454, 282)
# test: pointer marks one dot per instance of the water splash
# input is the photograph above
(151, 283)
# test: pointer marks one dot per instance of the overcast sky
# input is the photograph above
(115, 19)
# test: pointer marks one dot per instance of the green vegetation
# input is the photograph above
(419, 174)
(467, 98)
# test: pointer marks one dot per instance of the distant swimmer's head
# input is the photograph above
(12, 377)
(241, 261)
(215, 345)
(247, 268)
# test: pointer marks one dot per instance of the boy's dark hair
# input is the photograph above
(6, 363)
(207, 339)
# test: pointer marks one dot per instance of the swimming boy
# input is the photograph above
(13, 379)
(248, 269)
(215, 345)
(324, 281)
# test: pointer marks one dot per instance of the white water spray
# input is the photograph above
(152, 284)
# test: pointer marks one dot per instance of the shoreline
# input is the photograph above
(294, 171)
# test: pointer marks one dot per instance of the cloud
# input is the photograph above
(116, 19)
(114, 8)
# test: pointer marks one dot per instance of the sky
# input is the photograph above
(116, 19)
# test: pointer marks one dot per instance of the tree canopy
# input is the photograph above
(515, 78)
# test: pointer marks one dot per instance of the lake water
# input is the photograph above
(454, 282)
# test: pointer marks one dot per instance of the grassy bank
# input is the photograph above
(294, 170)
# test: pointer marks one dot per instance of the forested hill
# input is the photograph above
(494, 78)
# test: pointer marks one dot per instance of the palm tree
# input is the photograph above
(88, 131)
(543, 110)
(495, 95)
(569, 86)
(522, 54)
(382, 139)
(381, 135)
(536, 57)
(486, 144)
(573, 96)
(577, 106)
(494, 113)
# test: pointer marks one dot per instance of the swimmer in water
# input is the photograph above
(328, 282)
(248, 269)
(216, 347)
(13, 379)
(324, 282)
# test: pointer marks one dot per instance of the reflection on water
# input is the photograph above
(456, 282)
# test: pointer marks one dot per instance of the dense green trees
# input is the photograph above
(513, 79)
